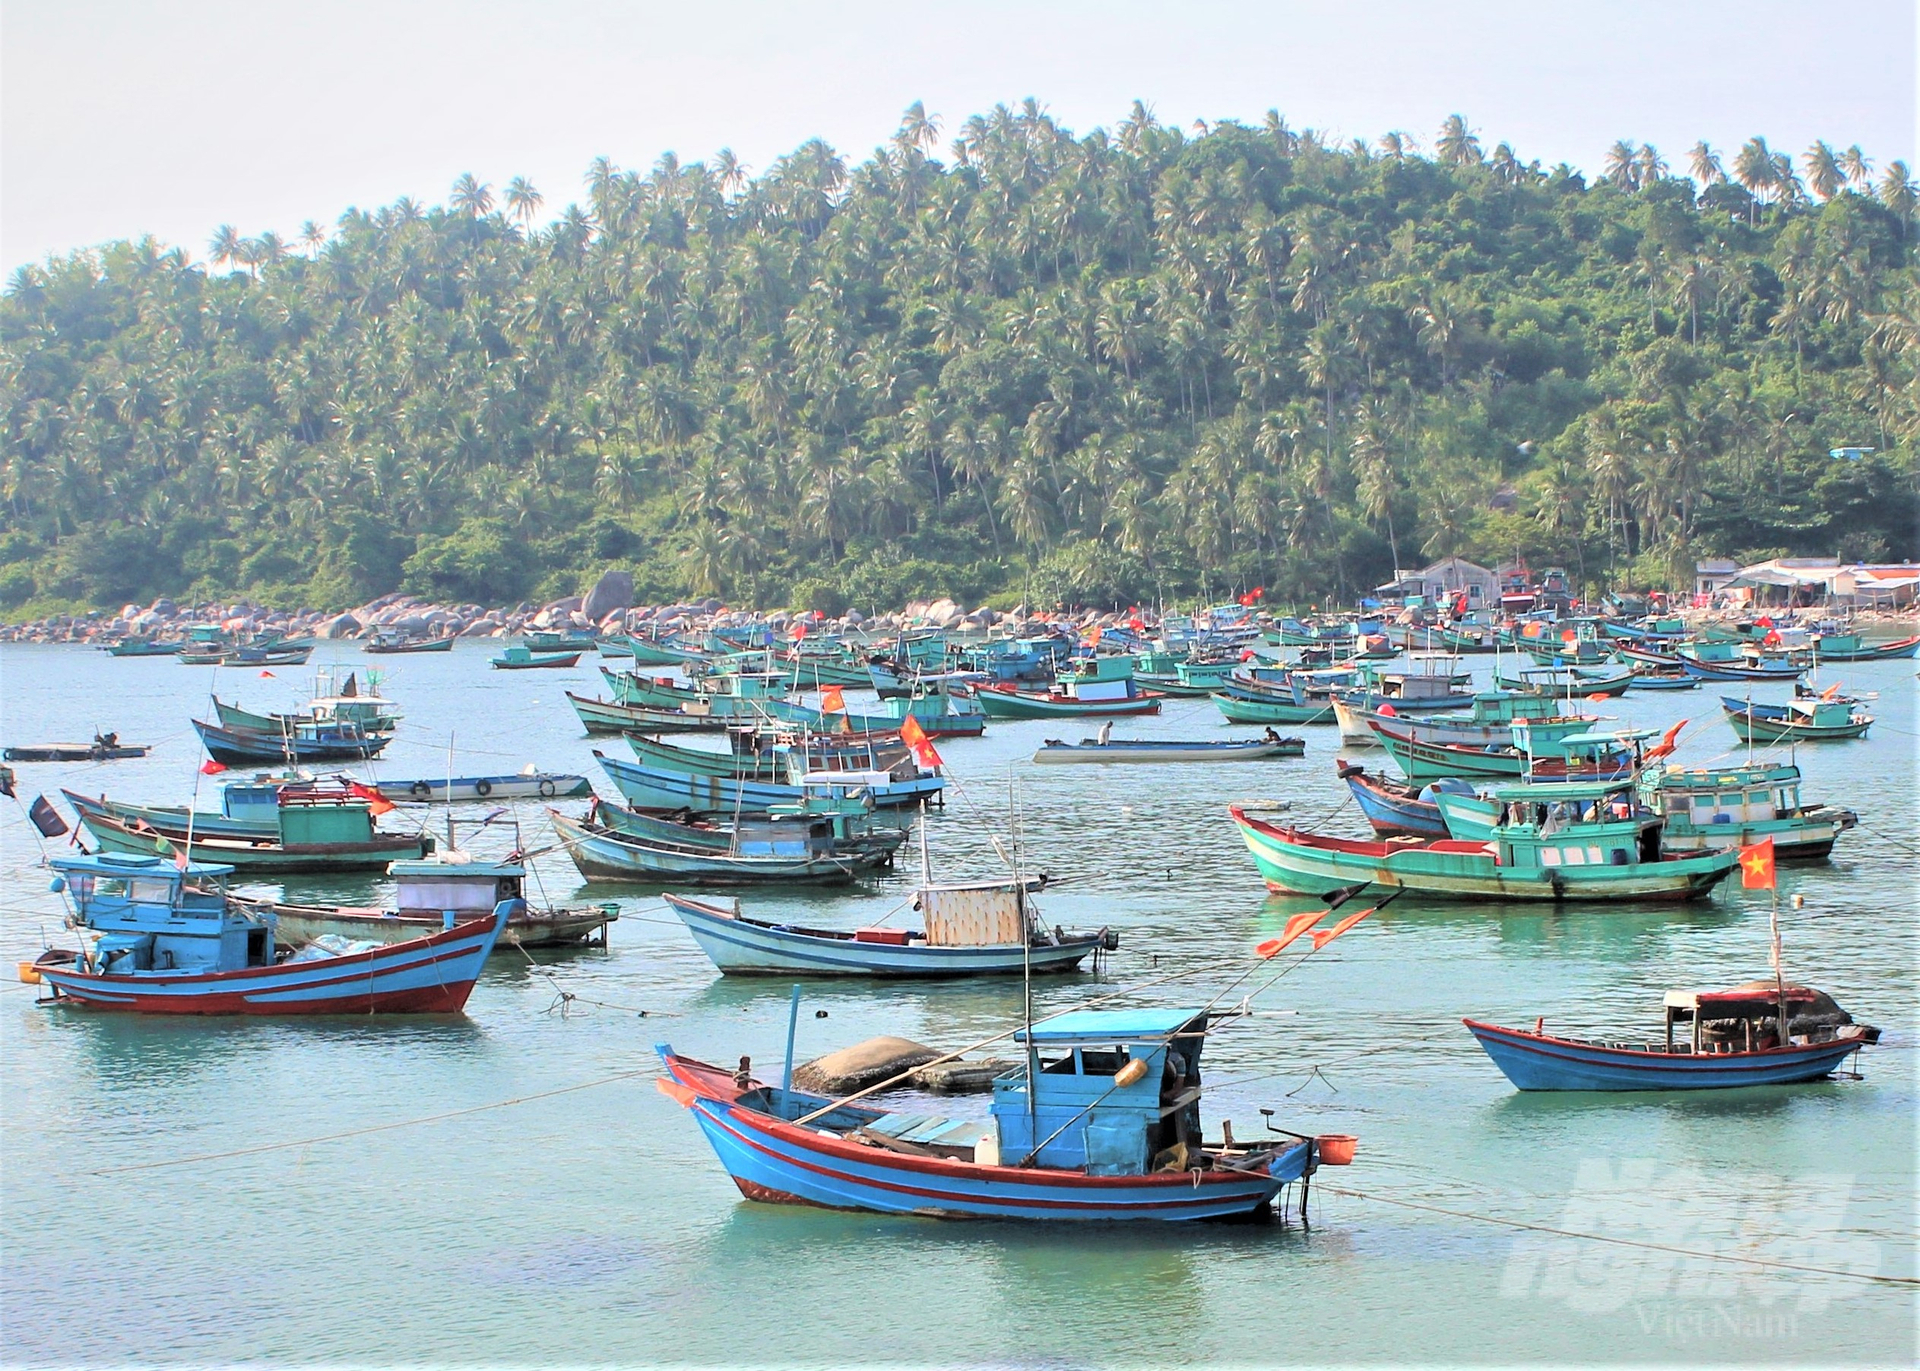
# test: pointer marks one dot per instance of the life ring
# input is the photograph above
(421, 790)
(548, 789)
(483, 787)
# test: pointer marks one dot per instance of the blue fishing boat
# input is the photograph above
(804, 856)
(647, 787)
(610, 716)
(167, 939)
(298, 742)
(1397, 808)
(520, 658)
(1102, 1124)
(1735, 1041)
(970, 930)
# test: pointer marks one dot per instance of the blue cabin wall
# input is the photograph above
(1104, 1130)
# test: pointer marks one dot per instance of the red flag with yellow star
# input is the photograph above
(1756, 865)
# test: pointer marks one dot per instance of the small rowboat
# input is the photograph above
(523, 785)
(386, 644)
(1741, 1048)
(1656, 678)
(610, 716)
(105, 747)
(1005, 702)
(1244, 711)
(1096, 751)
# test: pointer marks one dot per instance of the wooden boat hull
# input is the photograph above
(1727, 671)
(1537, 1061)
(658, 788)
(1297, 863)
(549, 785)
(1774, 724)
(430, 975)
(1610, 686)
(144, 650)
(394, 649)
(260, 856)
(606, 716)
(1144, 750)
(233, 747)
(299, 924)
(776, 1162)
(542, 662)
(73, 752)
(1879, 652)
(646, 652)
(602, 855)
(750, 947)
(1000, 702)
(1647, 681)
(169, 821)
(1390, 811)
(1244, 711)
(935, 725)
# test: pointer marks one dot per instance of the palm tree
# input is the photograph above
(523, 201)
(1458, 145)
(1754, 169)
(1898, 193)
(1396, 145)
(1824, 176)
(225, 250)
(1373, 464)
(1858, 169)
(470, 197)
(1649, 166)
(1703, 163)
(1622, 166)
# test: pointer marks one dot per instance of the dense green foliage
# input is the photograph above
(1104, 368)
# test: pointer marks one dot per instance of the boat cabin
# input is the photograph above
(1080, 1115)
(1734, 796)
(1098, 678)
(454, 881)
(1572, 823)
(153, 916)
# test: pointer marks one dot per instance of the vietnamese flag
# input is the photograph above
(377, 804)
(915, 737)
(799, 630)
(1323, 936)
(832, 701)
(211, 768)
(1756, 865)
(1295, 926)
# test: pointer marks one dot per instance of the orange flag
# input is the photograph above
(1665, 746)
(1830, 691)
(832, 701)
(915, 737)
(1324, 936)
(1756, 865)
(211, 768)
(1598, 696)
(377, 804)
(1295, 926)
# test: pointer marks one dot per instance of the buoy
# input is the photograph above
(29, 974)
(1132, 1073)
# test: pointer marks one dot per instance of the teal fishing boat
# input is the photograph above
(608, 716)
(1089, 687)
(1241, 710)
(1557, 841)
(1797, 721)
(314, 832)
(1731, 807)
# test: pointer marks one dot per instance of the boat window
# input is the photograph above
(1574, 856)
(1096, 1061)
(151, 892)
(1550, 856)
(1057, 1066)
(110, 885)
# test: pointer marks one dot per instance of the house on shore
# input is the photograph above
(1444, 581)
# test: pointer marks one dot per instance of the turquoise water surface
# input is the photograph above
(179, 1191)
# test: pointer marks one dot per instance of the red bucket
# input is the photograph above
(1336, 1149)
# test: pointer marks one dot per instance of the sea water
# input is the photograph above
(506, 1186)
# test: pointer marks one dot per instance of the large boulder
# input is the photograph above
(340, 626)
(614, 590)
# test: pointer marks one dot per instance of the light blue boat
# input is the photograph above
(647, 787)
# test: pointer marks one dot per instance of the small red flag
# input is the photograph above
(377, 804)
(1567, 635)
(1666, 744)
(799, 630)
(1756, 865)
(833, 701)
(1294, 927)
(1324, 936)
(180, 857)
(267, 676)
(915, 737)
(211, 768)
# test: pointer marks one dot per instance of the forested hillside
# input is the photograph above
(1144, 362)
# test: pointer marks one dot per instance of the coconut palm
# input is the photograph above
(1824, 176)
(1703, 164)
(1622, 167)
(470, 197)
(523, 201)
(1857, 168)
(1458, 145)
(225, 250)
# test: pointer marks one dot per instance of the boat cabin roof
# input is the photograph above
(127, 864)
(453, 866)
(1115, 1025)
(1614, 737)
(1548, 792)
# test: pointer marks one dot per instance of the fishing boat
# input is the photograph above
(843, 823)
(799, 857)
(1735, 1041)
(1731, 807)
(549, 641)
(657, 652)
(298, 742)
(344, 704)
(1396, 809)
(1543, 849)
(1101, 751)
(425, 890)
(105, 747)
(389, 641)
(1240, 710)
(1487, 722)
(1798, 721)
(1565, 681)
(520, 658)
(971, 929)
(1103, 1123)
(609, 716)
(1089, 687)
(314, 831)
(143, 647)
(1851, 647)
(168, 940)
(1542, 747)
(266, 656)
(525, 784)
(936, 717)
(1736, 662)
(736, 695)
(1663, 678)
(647, 787)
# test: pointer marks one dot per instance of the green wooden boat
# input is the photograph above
(1557, 841)
(610, 716)
(1558, 747)
(653, 652)
(1797, 721)
(1732, 807)
(313, 835)
(143, 647)
(1566, 681)
(1244, 711)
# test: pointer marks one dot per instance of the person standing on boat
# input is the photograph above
(1106, 732)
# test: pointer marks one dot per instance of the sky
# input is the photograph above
(120, 118)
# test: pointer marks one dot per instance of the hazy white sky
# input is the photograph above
(124, 117)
